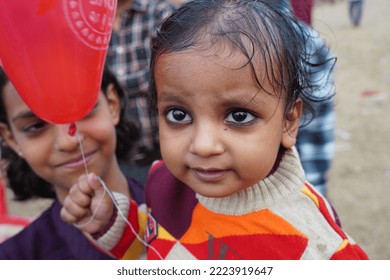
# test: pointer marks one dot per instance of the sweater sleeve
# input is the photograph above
(123, 239)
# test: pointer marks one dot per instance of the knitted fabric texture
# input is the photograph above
(280, 217)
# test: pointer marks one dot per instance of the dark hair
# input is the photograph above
(126, 131)
(266, 34)
(23, 181)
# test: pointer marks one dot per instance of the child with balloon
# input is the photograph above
(45, 160)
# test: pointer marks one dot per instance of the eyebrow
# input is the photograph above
(240, 100)
(168, 98)
(227, 101)
(24, 115)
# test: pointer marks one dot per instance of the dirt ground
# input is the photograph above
(360, 176)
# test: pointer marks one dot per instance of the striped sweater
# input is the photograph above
(280, 217)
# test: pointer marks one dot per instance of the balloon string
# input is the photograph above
(82, 153)
(126, 221)
(106, 189)
(86, 173)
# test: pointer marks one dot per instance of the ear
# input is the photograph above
(114, 103)
(8, 137)
(290, 132)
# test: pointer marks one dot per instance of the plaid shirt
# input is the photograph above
(128, 57)
(315, 141)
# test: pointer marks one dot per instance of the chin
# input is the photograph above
(214, 193)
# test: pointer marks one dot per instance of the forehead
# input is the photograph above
(217, 53)
(206, 59)
(197, 67)
(14, 104)
(217, 67)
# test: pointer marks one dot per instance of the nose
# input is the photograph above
(65, 140)
(206, 140)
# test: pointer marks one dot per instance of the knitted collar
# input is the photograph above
(288, 178)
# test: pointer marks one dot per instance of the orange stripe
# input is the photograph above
(219, 225)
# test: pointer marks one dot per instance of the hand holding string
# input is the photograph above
(87, 206)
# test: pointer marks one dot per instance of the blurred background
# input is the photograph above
(359, 184)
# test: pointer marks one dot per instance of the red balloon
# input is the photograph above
(53, 51)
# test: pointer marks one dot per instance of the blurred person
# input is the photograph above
(355, 10)
(303, 9)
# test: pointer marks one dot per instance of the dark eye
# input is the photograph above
(35, 127)
(178, 116)
(240, 117)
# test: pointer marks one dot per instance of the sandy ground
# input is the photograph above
(360, 176)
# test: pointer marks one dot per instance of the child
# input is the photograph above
(229, 84)
(355, 11)
(44, 160)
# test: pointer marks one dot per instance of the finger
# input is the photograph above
(85, 186)
(78, 197)
(86, 224)
(69, 217)
(95, 184)
(75, 210)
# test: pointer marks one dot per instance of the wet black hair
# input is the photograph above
(23, 181)
(266, 33)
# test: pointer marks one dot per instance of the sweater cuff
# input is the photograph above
(112, 235)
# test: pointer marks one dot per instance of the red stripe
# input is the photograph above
(325, 212)
(127, 237)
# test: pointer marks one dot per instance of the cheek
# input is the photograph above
(38, 160)
(107, 137)
(255, 159)
(170, 148)
(35, 152)
(102, 137)
(173, 148)
(100, 129)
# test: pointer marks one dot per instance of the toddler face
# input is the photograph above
(219, 133)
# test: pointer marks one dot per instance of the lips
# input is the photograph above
(209, 175)
(76, 162)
